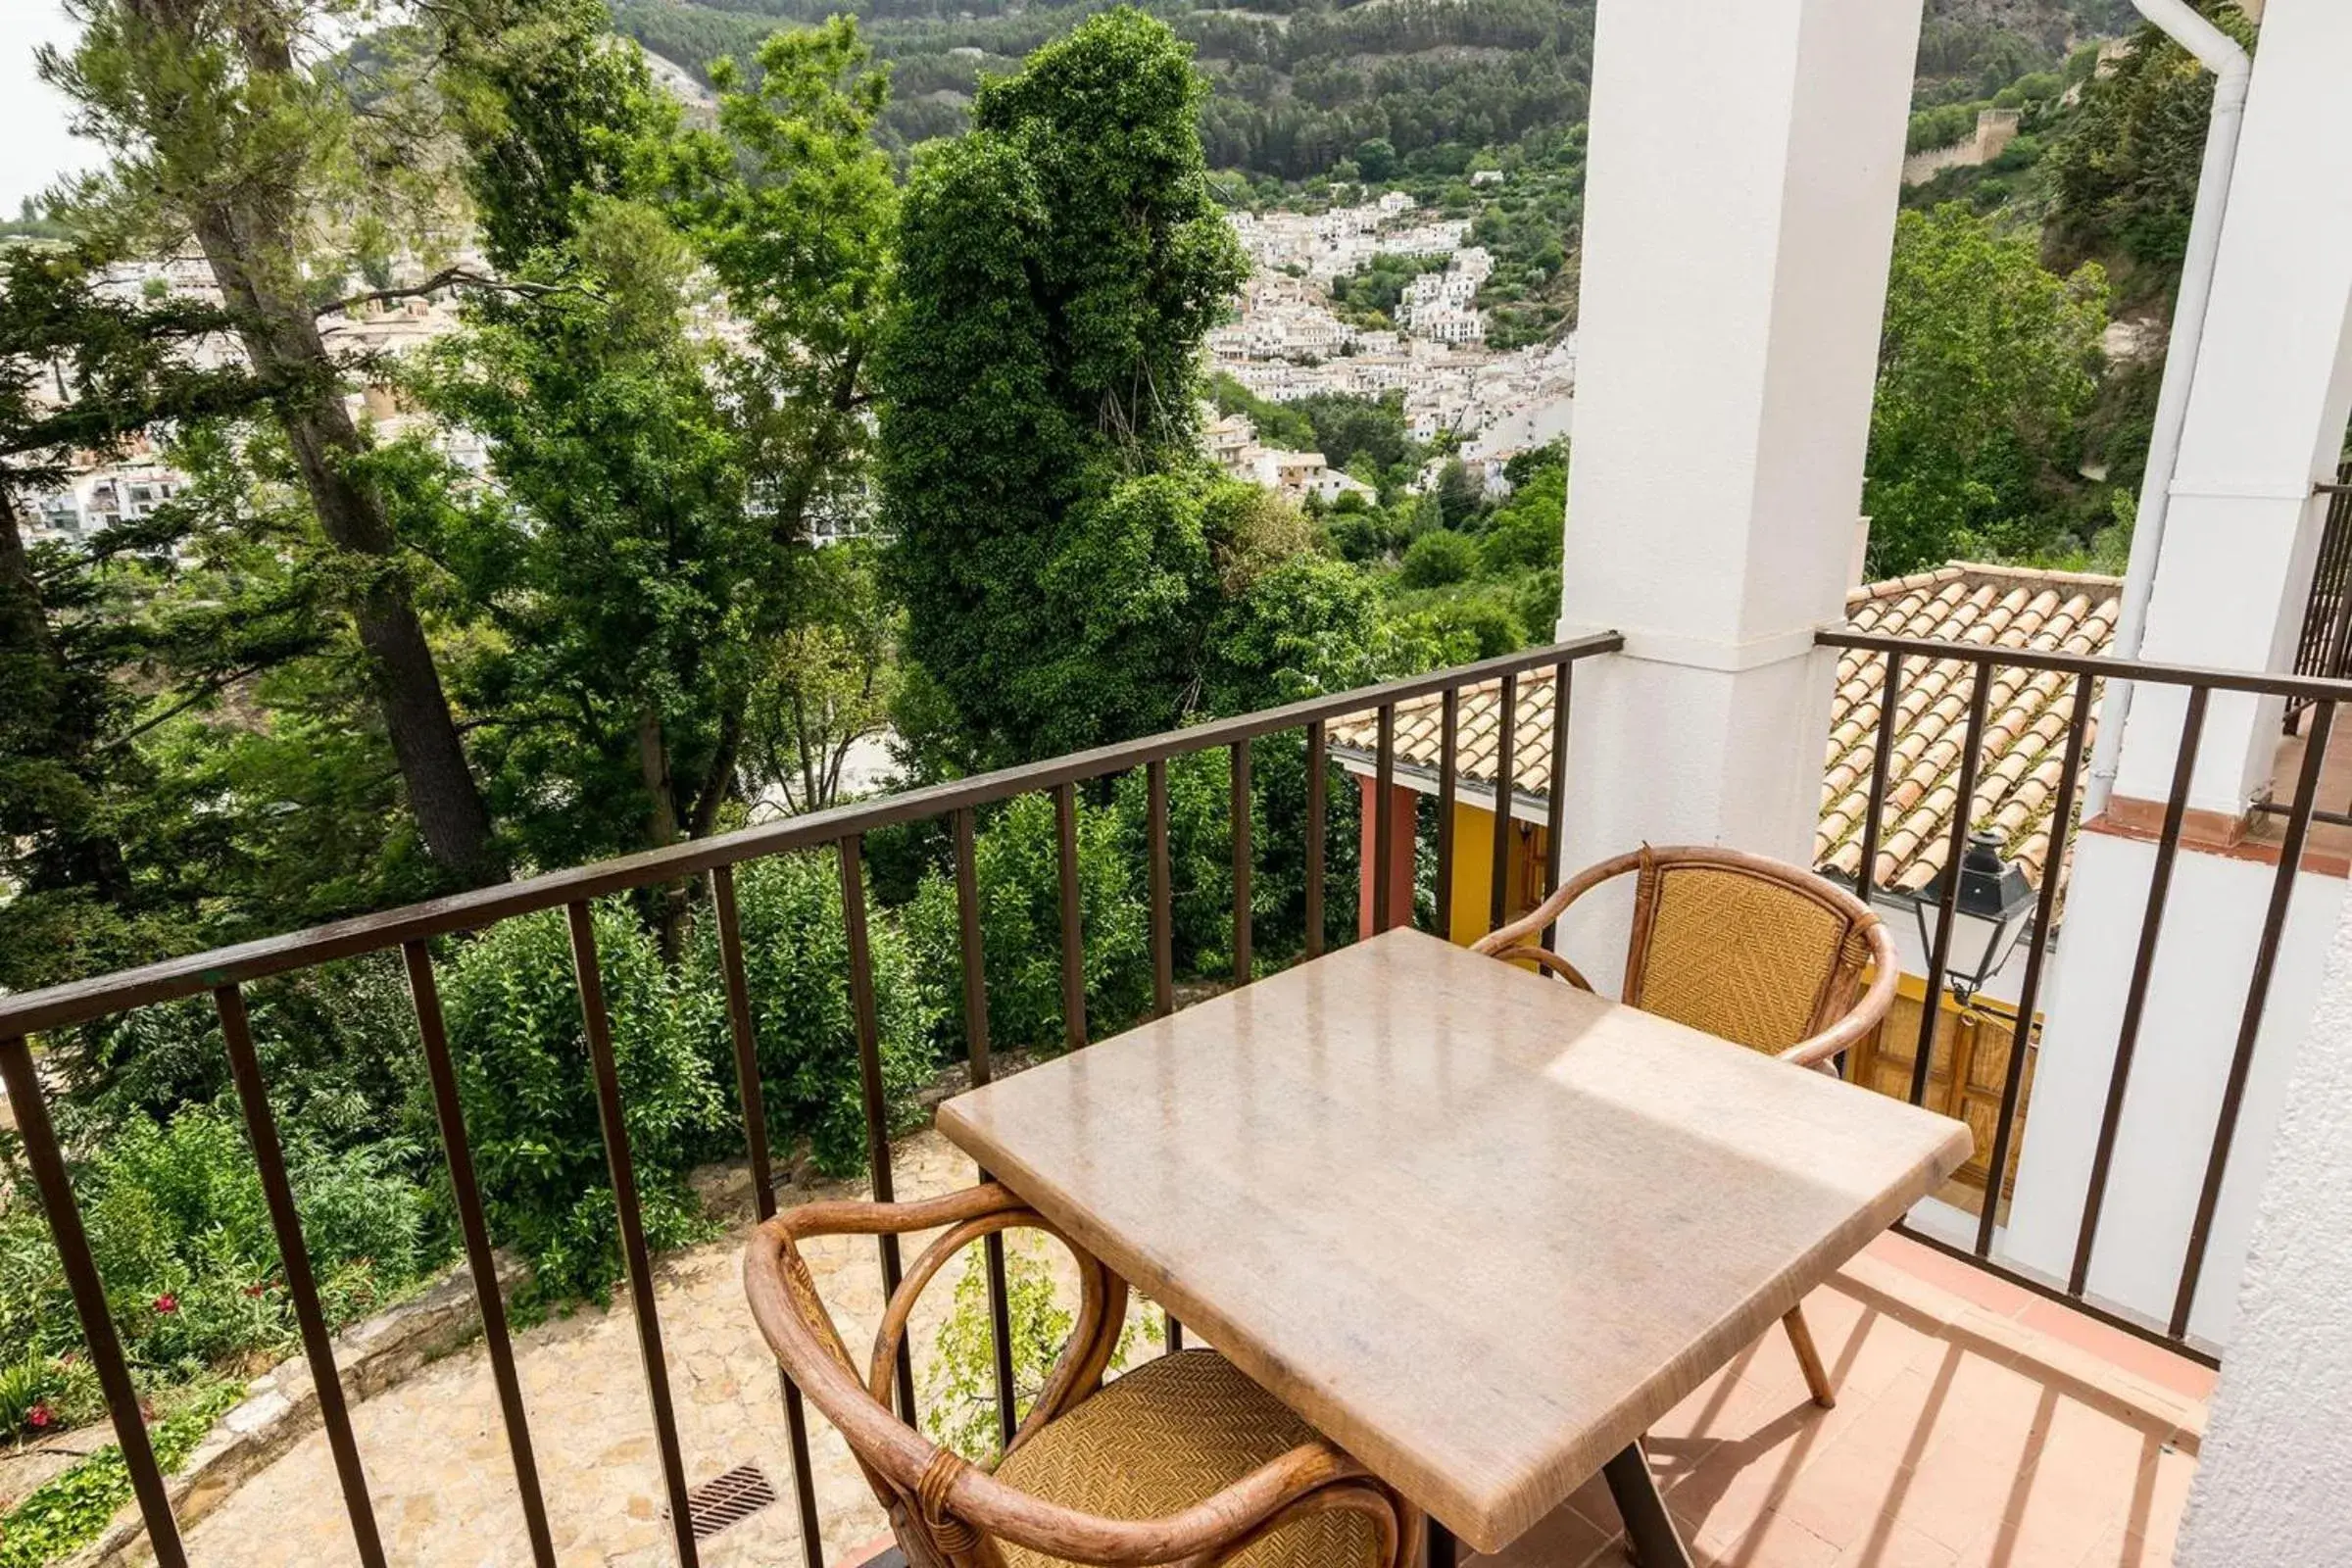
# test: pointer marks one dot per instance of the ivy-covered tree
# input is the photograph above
(1060, 267)
(1985, 363)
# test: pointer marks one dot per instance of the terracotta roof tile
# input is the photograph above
(2025, 719)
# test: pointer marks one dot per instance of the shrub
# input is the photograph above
(181, 1235)
(797, 968)
(1018, 859)
(1439, 558)
(524, 1075)
(70, 1510)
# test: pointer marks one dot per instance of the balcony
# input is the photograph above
(1991, 1412)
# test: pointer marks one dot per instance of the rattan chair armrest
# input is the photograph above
(801, 1335)
(1544, 915)
(1546, 958)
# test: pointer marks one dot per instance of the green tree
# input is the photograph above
(1985, 363)
(2127, 172)
(646, 562)
(106, 641)
(1059, 269)
(221, 136)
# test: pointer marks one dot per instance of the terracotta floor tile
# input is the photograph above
(2127, 1351)
(1775, 1541)
(1866, 1473)
(1565, 1540)
(1892, 1544)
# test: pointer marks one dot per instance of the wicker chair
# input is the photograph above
(1183, 1461)
(1745, 948)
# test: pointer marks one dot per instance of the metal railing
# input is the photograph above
(225, 972)
(2323, 647)
(2321, 695)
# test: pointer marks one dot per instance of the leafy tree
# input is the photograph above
(1059, 269)
(1439, 558)
(647, 562)
(104, 642)
(1376, 158)
(825, 684)
(221, 136)
(1985, 363)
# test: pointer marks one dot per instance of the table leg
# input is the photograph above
(1648, 1528)
(1442, 1549)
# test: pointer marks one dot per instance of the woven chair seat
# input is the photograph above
(1169, 1434)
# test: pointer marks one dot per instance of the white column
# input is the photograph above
(2273, 1485)
(1738, 215)
(2266, 415)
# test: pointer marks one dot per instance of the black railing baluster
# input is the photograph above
(2136, 997)
(27, 1101)
(2029, 996)
(1964, 803)
(2249, 1023)
(1556, 815)
(1507, 770)
(764, 1182)
(851, 852)
(449, 1111)
(1317, 764)
(1243, 852)
(285, 1222)
(1073, 918)
(1383, 820)
(612, 1119)
(1450, 723)
(1163, 916)
(1881, 759)
(973, 952)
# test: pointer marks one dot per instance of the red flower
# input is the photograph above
(166, 1303)
(39, 1415)
(258, 1289)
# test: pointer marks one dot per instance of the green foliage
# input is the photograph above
(1017, 858)
(1986, 363)
(182, 1235)
(2127, 175)
(960, 1389)
(521, 1057)
(1439, 558)
(71, 1509)
(1059, 269)
(797, 967)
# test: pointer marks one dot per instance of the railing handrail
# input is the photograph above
(81, 1000)
(2314, 688)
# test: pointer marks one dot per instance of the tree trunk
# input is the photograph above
(250, 254)
(670, 900)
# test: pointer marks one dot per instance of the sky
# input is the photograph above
(34, 148)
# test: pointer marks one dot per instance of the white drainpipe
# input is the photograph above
(2231, 68)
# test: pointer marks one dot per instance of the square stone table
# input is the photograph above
(1477, 1226)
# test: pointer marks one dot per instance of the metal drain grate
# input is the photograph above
(728, 1500)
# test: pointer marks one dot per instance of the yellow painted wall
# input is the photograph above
(1473, 869)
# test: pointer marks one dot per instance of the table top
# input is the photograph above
(1477, 1226)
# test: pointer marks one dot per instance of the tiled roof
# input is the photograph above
(2008, 607)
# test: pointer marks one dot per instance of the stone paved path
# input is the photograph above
(437, 1452)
